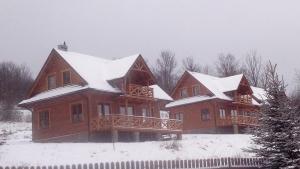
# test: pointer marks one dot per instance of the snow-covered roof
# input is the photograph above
(189, 100)
(98, 71)
(160, 93)
(259, 93)
(218, 85)
(54, 93)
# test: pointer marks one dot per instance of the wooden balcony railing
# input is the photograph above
(244, 99)
(138, 123)
(239, 120)
(139, 91)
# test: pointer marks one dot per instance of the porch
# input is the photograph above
(241, 120)
(135, 125)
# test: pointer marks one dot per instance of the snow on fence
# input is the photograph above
(225, 163)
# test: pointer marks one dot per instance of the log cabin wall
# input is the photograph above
(192, 120)
(55, 66)
(61, 127)
(189, 82)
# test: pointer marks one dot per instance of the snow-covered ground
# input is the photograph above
(19, 150)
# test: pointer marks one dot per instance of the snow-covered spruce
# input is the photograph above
(278, 131)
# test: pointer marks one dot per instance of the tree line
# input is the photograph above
(167, 70)
(15, 80)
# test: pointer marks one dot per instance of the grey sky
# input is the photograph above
(30, 29)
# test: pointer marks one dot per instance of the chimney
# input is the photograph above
(63, 46)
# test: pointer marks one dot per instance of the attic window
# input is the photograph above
(196, 90)
(183, 92)
(51, 82)
(66, 77)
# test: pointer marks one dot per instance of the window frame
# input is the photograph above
(128, 106)
(198, 87)
(62, 77)
(71, 112)
(180, 115)
(103, 114)
(207, 114)
(222, 113)
(181, 92)
(39, 118)
(51, 75)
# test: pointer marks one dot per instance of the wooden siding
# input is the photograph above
(189, 82)
(60, 118)
(55, 66)
(192, 121)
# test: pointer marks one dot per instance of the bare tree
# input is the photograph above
(15, 80)
(190, 64)
(164, 70)
(253, 68)
(227, 65)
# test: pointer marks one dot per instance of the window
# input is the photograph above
(179, 116)
(144, 112)
(129, 110)
(205, 115)
(183, 92)
(196, 90)
(233, 113)
(51, 82)
(44, 119)
(103, 109)
(77, 114)
(222, 114)
(66, 77)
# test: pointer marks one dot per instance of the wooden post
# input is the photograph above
(136, 136)
(235, 129)
(126, 106)
(115, 135)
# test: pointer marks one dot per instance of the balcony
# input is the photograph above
(238, 120)
(136, 123)
(243, 99)
(139, 91)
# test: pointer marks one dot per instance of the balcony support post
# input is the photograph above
(235, 129)
(158, 136)
(136, 136)
(179, 136)
(115, 135)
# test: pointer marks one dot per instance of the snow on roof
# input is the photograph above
(159, 93)
(189, 100)
(230, 83)
(97, 71)
(215, 84)
(54, 93)
(259, 93)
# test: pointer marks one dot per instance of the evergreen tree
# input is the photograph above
(277, 136)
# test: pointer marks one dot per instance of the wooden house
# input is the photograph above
(208, 104)
(78, 97)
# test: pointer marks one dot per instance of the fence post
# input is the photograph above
(128, 165)
(142, 165)
(137, 165)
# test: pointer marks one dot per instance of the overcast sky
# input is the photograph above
(203, 29)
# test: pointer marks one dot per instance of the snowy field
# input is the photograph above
(17, 148)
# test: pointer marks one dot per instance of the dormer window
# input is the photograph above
(51, 82)
(183, 93)
(196, 90)
(66, 77)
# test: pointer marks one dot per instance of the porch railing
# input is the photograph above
(244, 99)
(139, 91)
(135, 123)
(239, 120)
